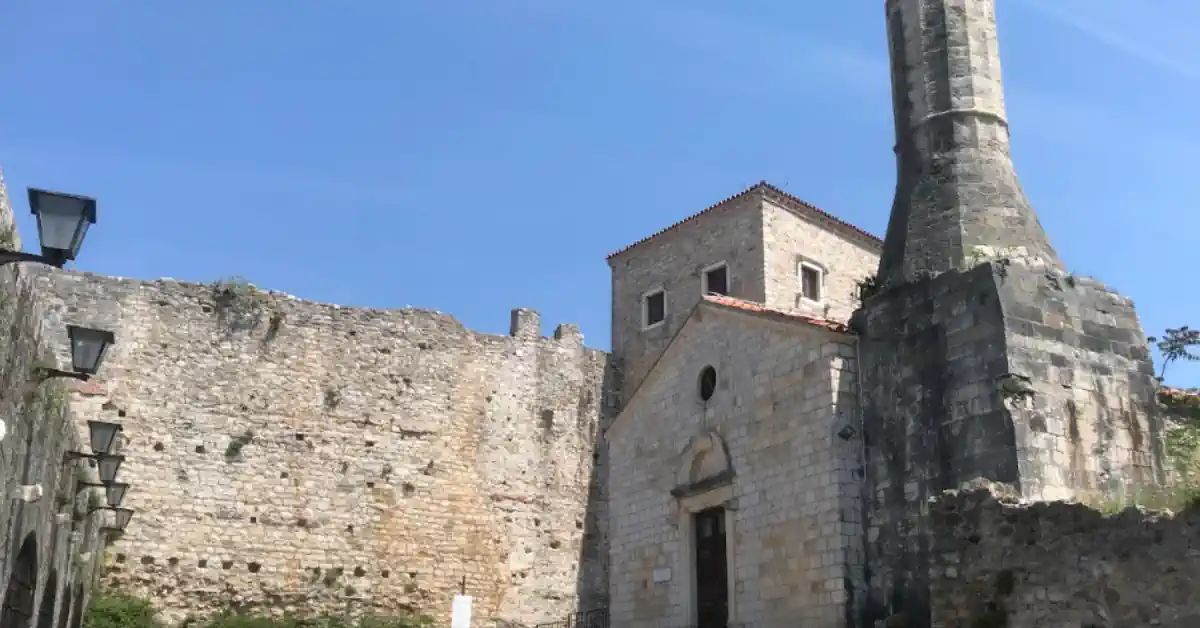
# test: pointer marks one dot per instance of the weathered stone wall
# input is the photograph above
(761, 241)
(731, 232)
(998, 562)
(846, 260)
(312, 457)
(36, 429)
(784, 391)
(1030, 378)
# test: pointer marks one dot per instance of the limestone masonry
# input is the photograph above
(301, 455)
(798, 423)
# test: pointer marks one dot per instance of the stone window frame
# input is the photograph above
(810, 265)
(708, 269)
(644, 302)
(692, 496)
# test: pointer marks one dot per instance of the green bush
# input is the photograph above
(237, 620)
(117, 610)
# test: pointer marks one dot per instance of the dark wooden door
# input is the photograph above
(712, 575)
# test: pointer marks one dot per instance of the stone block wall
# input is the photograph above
(1089, 423)
(1001, 562)
(1017, 375)
(37, 427)
(784, 391)
(845, 256)
(308, 457)
(674, 261)
(930, 357)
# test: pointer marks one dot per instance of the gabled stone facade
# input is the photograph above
(763, 450)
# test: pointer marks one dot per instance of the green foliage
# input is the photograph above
(237, 443)
(1176, 344)
(333, 397)
(238, 620)
(117, 610)
(239, 304)
(54, 401)
(867, 287)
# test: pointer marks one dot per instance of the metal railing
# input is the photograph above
(595, 618)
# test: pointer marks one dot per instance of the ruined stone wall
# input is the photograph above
(997, 562)
(36, 429)
(310, 457)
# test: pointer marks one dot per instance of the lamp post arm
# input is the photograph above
(8, 257)
(44, 372)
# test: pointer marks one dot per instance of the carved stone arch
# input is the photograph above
(703, 465)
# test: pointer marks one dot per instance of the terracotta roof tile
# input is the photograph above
(774, 194)
(758, 308)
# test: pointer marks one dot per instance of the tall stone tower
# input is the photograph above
(957, 195)
(981, 357)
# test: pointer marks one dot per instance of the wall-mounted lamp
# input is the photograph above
(103, 435)
(114, 492)
(88, 347)
(108, 464)
(62, 222)
(122, 519)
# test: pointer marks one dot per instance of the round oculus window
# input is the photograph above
(708, 382)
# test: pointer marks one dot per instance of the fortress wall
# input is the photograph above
(998, 561)
(310, 456)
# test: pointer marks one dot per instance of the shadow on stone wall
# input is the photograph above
(592, 585)
(50, 540)
(999, 562)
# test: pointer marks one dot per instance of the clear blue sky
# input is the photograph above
(473, 156)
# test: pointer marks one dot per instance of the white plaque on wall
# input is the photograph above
(460, 612)
(662, 575)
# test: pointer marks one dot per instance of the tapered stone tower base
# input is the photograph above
(1026, 377)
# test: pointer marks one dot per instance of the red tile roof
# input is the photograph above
(791, 315)
(776, 195)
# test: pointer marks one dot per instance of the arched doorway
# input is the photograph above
(22, 582)
(46, 610)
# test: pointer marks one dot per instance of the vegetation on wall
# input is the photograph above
(240, 306)
(109, 609)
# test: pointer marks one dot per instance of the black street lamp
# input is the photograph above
(108, 464)
(101, 436)
(62, 222)
(88, 347)
(123, 517)
(114, 492)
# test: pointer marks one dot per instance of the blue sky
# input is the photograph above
(472, 156)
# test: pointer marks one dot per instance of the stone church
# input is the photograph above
(783, 426)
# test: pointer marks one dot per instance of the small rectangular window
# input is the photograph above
(654, 307)
(716, 280)
(810, 282)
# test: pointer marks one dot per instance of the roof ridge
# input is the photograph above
(761, 186)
